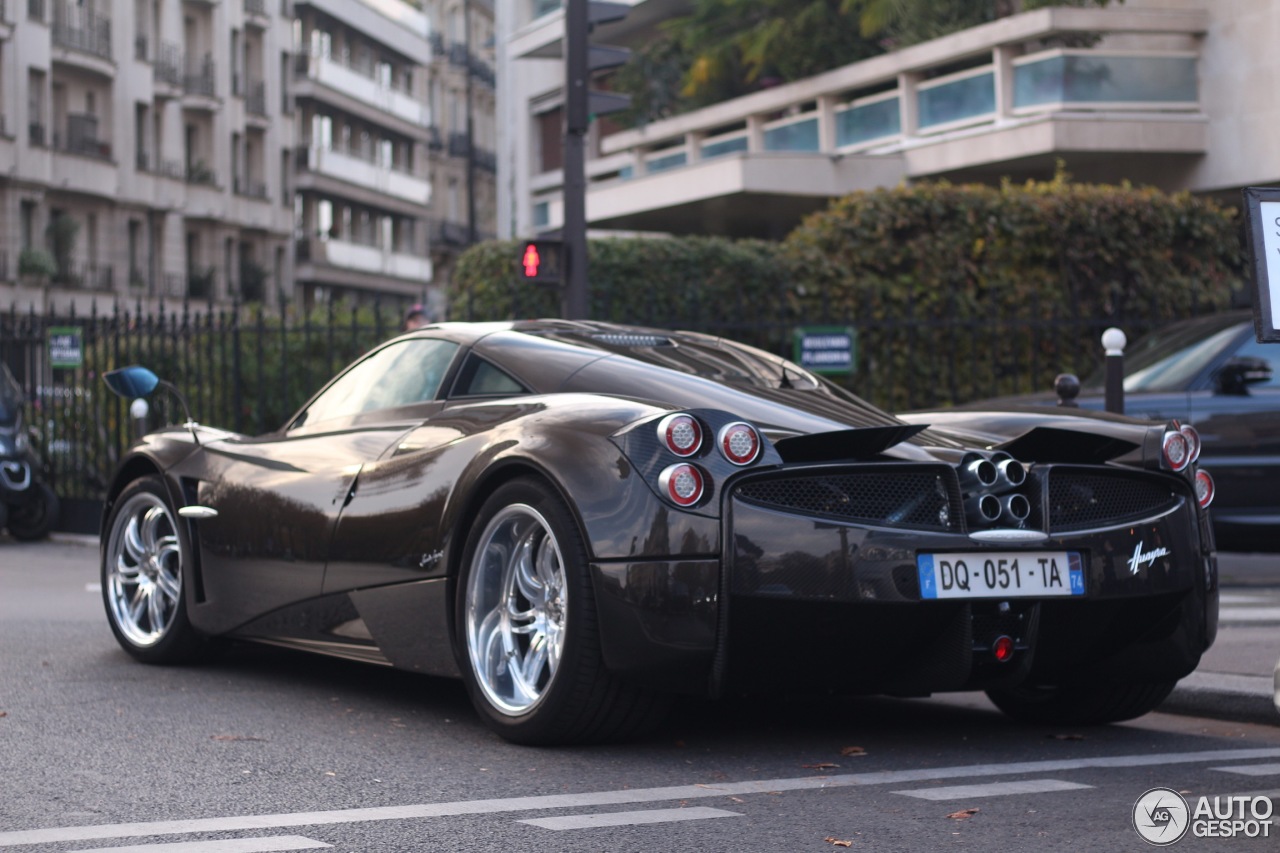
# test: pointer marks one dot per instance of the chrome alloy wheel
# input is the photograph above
(516, 609)
(143, 570)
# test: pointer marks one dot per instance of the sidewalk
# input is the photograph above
(1235, 677)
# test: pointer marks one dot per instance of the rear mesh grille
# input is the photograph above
(914, 497)
(1079, 500)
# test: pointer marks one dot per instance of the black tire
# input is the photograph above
(35, 518)
(1081, 705)
(145, 559)
(571, 697)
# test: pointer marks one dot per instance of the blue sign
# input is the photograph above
(826, 349)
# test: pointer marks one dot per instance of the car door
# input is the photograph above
(1241, 436)
(277, 498)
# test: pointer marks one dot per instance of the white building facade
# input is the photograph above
(1179, 94)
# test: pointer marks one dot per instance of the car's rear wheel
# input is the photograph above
(1083, 704)
(144, 567)
(35, 518)
(527, 634)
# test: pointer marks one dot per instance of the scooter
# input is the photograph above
(28, 506)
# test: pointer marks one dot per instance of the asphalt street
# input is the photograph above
(266, 750)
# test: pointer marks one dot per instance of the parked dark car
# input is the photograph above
(28, 506)
(581, 519)
(1212, 373)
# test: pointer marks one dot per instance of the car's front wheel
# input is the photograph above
(1082, 704)
(144, 573)
(34, 519)
(527, 632)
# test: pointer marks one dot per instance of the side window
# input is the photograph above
(479, 378)
(400, 374)
(1269, 353)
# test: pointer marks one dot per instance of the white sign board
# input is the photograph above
(1262, 220)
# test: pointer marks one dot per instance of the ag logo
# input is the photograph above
(1161, 816)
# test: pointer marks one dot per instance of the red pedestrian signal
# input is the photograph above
(540, 261)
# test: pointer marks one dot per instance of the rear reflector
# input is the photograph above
(680, 433)
(684, 484)
(739, 442)
(1002, 648)
(1204, 488)
(1177, 450)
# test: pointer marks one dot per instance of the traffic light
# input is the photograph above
(584, 60)
(540, 261)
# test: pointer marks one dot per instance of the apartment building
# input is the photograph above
(1179, 94)
(242, 150)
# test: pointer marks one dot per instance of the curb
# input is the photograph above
(1224, 696)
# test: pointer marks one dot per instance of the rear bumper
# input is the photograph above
(817, 604)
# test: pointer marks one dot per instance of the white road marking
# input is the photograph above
(1251, 769)
(587, 821)
(612, 798)
(1249, 614)
(226, 845)
(993, 789)
(93, 587)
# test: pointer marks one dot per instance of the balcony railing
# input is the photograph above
(85, 276)
(35, 10)
(458, 54)
(1088, 79)
(365, 258)
(458, 144)
(82, 138)
(199, 79)
(201, 175)
(80, 29)
(249, 189)
(140, 47)
(168, 65)
(363, 169)
(255, 7)
(256, 101)
(35, 135)
(358, 81)
(437, 43)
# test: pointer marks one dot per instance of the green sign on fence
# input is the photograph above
(826, 349)
(66, 346)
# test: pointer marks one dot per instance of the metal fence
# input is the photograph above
(248, 370)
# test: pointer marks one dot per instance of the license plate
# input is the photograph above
(1015, 574)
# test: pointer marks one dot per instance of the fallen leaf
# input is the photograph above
(821, 765)
(330, 773)
(964, 814)
(831, 839)
(238, 738)
(737, 799)
(852, 750)
(4, 713)
(1067, 737)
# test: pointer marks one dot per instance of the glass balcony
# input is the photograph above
(964, 97)
(865, 122)
(796, 136)
(403, 14)
(719, 147)
(367, 173)
(666, 162)
(1092, 79)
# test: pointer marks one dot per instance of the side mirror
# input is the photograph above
(1239, 373)
(132, 381)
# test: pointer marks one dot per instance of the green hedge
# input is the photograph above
(956, 292)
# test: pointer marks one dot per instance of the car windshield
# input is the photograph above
(1168, 359)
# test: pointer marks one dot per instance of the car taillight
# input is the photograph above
(684, 484)
(681, 434)
(739, 442)
(1177, 450)
(1193, 440)
(1204, 488)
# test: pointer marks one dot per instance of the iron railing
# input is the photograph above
(80, 29)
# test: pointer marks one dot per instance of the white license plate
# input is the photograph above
(1013, 574)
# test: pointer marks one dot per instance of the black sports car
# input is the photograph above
(582, 519)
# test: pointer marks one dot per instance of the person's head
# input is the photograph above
(415, 318)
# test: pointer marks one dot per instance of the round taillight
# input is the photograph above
(1193, 440)
(1204, 488)
(681, 434)
(739, 442)
(684, 484)
(1177, 450)
(1002, 648)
